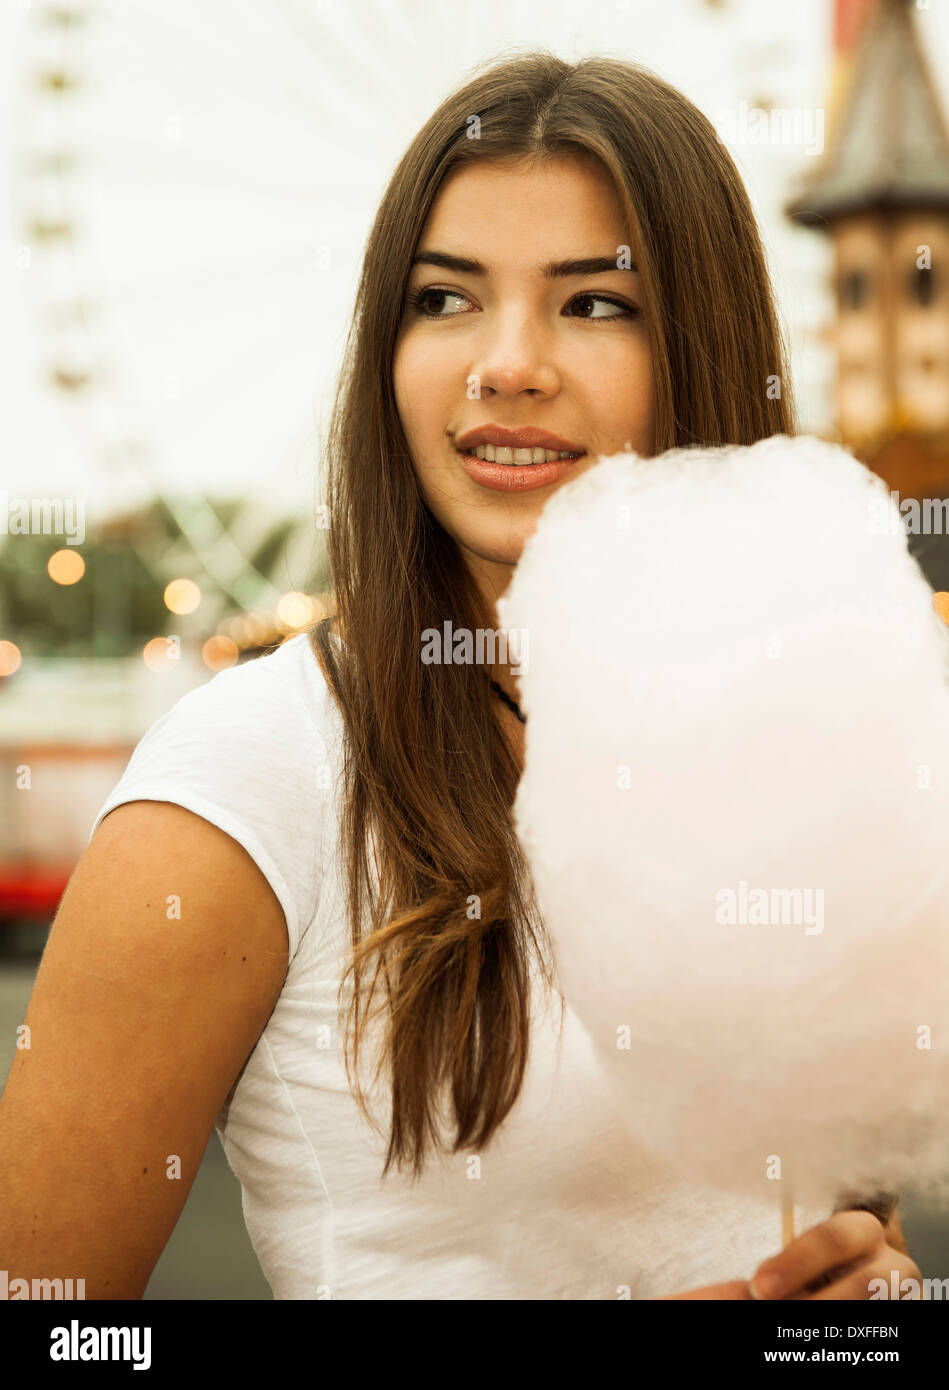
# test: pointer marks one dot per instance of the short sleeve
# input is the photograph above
(244, 751)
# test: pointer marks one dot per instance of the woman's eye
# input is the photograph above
(419, 298)
(426, 302)
(625, 310)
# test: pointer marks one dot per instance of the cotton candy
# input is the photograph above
(735, 810)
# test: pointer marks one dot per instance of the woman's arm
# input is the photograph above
(140, 1020)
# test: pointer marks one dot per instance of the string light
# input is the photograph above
(220, 652)
(66, 567)
(10, 658)
(182, 596)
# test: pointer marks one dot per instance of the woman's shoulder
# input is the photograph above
(285, 683)
(253, 751)
(289, 680)
(272, 704)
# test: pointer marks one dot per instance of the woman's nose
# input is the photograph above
(515, 357)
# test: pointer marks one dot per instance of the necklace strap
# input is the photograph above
(512, 705)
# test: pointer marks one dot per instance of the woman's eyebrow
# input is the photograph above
(588, 265)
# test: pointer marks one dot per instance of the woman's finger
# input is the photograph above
(836, 1243)
(736, 1290)
(855, 1284)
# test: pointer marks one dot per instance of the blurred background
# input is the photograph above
(187, 195)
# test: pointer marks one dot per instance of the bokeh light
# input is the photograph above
(10, 658)
(182, 596)
(66, 567)
(160, 654)
(295, 610)
(219, 653)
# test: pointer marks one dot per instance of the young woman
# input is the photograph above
(309, 865)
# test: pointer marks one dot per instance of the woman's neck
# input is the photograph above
(511, 727)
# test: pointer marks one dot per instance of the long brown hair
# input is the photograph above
(429, 779)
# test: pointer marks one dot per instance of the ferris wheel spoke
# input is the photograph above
(258, 364)
(204, 277)
(197, 41)
(221, 558)
(352, 64)
(206, 172)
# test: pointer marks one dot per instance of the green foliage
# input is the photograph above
(112, 610)
(118, 603)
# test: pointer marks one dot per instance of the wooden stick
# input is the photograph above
(787, 1214)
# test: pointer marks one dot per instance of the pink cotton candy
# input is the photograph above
(735, 805)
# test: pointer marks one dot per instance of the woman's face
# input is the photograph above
(566, 353)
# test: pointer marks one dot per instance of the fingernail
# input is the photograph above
(766, 1286)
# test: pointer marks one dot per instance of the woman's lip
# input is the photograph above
(527, 437)
(511, 477)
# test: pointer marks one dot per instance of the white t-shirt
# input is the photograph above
(560, 1204)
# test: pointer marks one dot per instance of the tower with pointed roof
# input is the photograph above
(881, 194)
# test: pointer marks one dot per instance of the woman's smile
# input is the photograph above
(505, 474)
(515, 459)
(522, 350)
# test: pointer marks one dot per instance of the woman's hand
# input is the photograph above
(835, 1260)
(737, 1289)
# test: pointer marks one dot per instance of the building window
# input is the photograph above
(921, 286)
(854, 289)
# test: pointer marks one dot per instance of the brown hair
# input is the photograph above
(429, 778)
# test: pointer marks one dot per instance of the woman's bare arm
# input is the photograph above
(140, 1021)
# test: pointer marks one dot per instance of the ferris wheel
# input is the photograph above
(194, 220)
